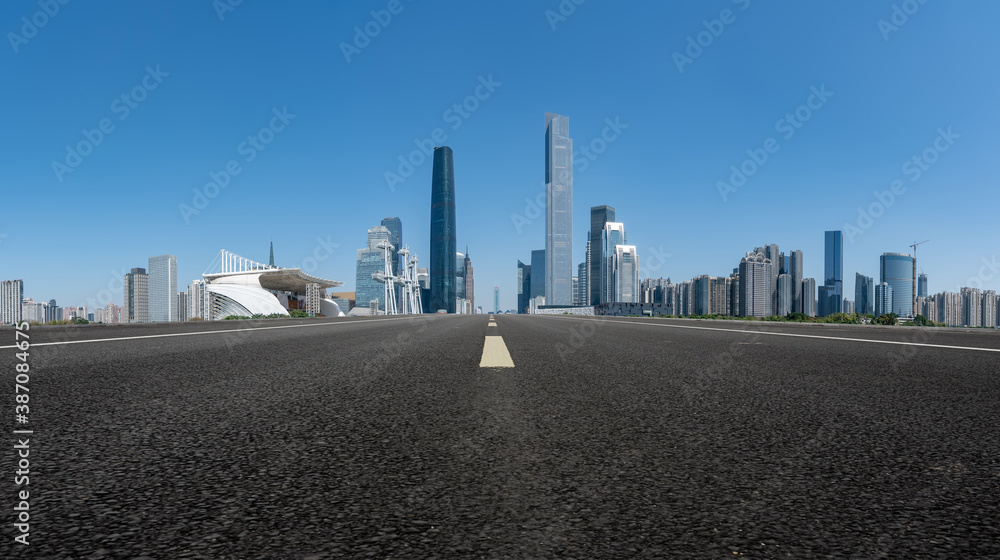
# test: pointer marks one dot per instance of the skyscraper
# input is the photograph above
(582, 292)
(11, 301)
(371, 260)
(395, 227)
(784, 295)
(796, 272)
(599, 216)
(558, 211)
(864, 294)
(470, 282)
(626, 274)
(831, 294)
(897, 270)
(809, 297)
(270, 259)
(613, 236)
(136, 292)
(523, 286)
(496, 299)
(443, 232)
(163, 288)
(755, 285)
(922, 285)
(883, 299)
(701, 289)
(199, 300)
(459, 278)
(537, 273)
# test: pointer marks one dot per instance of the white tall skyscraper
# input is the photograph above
(11, 298)
(558, 211)
(613, 236)
(626, 274)
(163, 288)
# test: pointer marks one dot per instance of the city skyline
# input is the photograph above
(847, 156)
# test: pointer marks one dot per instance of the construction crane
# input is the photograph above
(914, 298)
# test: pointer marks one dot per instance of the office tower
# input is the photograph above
(972, 307)
(182, 306)
(576, 290)
(470, 282)
(848, 307)
(371, 260)
(755, 285)
(883, 299)
(922, 285)
(443, 231)
(395, 227)
(897, 270)
(582, 292)
(537, 273)
(163, 288)
(626, 274)
(614, 235)
(784, 295)
(135, 308)
(864, 294)
(795, 270)
(772, 254)
(809, 297)
(459, 277)
(496, 299)
(11, 299)
(199, 300)
(599, 216)
(558, 211)
(831, 293)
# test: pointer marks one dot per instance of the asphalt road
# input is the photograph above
(609, 438)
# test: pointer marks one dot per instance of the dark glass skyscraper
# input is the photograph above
(443, 239)
(538, 274)
(599, 215)
(558, 211)
(864, 294)
(523, 286)
(831, 298)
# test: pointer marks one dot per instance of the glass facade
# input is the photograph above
(537, 273)
(523, 286)
(832, 298)
(897, 271)
(370, 260)
(599, 216)
(163, 288)
(613, 236)
(558, 211)
(443, 232)
(395, 227)
(795, 269)
(864, 294)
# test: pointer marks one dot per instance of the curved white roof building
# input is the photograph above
(246, 288)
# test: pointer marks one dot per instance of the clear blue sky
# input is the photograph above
(322, 176)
